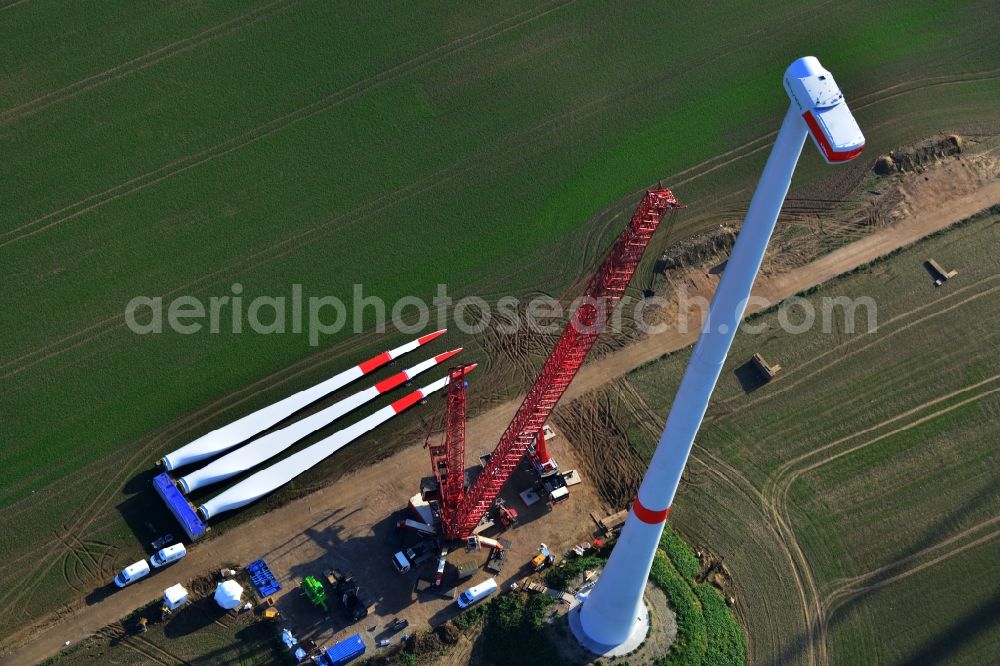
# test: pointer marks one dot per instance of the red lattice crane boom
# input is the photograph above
(448, 458)
(461, 513)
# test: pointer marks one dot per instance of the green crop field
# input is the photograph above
(855, 497)
(173, 149)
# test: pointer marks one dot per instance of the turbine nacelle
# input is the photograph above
(817, 96)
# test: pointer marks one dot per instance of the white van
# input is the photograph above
(168, 555)
(477, 593)
(132, 573)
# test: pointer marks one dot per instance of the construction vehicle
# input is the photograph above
(355, 601)
(507, 514)
(555, 488)
(497, 558)
(407, 558)
(348, 591)
(462, 509)
(544, 558)
(475, 542)
(315, 592)
(439, 573)
(400, 562)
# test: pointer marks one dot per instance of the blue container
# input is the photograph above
(193, 526)
(350, 648)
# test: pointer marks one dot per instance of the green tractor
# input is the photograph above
(315, 592)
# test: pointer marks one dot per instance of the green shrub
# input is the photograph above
(560, 576)
(691, 643)
(515, 628)
(680, 553)
(726, 643)
(470, 617)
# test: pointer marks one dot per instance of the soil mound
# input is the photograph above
(915, 157)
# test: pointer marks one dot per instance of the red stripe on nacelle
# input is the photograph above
(405, 403)
(431, 336)
(649, 516)
(390, 383)
(824, 144)
(375, 362)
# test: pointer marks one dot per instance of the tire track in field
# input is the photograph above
(112, 318)
(853, 585)
(144, 647)
(881, 328)
(425, 184)
(854, 352)
(772, 32)
(241, 262)
(150, 645)
(782, 488)
(802, 576)
(789, 465)
(99, 505)
(618, 95)
(69, 575)
(777, 493)
(130, 67)
(731, 476)
(72, 564)
(277, 124)
(856, 592)
(12, 5)
(860, 397)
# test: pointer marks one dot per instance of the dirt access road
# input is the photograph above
(294, 537)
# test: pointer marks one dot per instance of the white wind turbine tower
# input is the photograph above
(613, 619)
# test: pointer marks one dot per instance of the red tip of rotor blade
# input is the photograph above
(469, 368)
(431, 336)
(406, 402)
(441, 358)
(390, 383)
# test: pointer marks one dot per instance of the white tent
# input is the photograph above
(228, 593)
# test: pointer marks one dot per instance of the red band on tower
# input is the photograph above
(649, 516)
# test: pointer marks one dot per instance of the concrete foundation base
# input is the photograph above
(640, 628)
